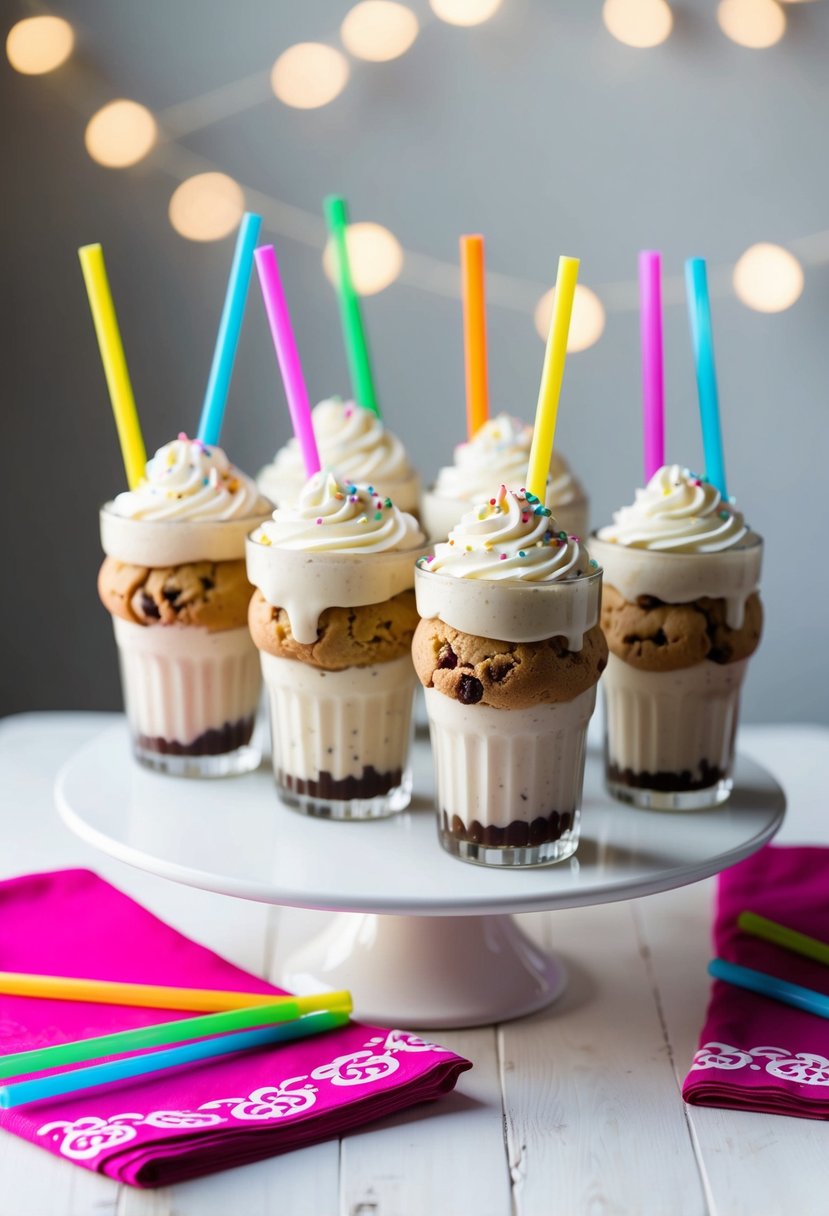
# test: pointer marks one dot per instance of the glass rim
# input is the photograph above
(236, 520)
(751, 541)
(514, 584)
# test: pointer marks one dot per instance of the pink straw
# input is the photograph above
(288, 356)
(653, 376)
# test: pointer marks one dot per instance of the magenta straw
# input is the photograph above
(653, 372)
(287, 355)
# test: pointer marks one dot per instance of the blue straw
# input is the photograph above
(770, 986)
(155, 1061)
(230, 326)
(702, 341)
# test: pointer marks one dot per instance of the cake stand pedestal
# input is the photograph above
(422, 940)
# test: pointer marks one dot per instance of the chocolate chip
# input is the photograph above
(171, 594)
(499, 668)
(648, 602)
(207, 583)
(559, 648)
(149, 607)
(659, 638)
(447, 658)
(470, 690)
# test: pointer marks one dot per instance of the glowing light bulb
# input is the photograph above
(756, 24)
(120, 134)
(379, 30)
(309, 75)
(206, 207)
(374, 256)
(464, 12)
(639, 23)
(768, 278)
(39, 44)
(586, 322)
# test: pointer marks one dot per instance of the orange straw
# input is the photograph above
(474, 332)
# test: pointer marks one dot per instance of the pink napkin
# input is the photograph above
(756, 1054)
(200, 1118)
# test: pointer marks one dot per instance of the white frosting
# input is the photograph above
(353, 441)
(187, 481)
(677, 513)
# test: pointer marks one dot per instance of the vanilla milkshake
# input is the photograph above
(333, 618)
(682, 616)
(499, 452)
(509, 651)
(174, 581)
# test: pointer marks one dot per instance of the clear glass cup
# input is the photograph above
(509, 781)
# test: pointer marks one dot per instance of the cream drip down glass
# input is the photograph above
(174, 581)
(333, 618)
(682, 616)
(509, 651)
(499, 452)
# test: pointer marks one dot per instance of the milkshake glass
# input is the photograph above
(333, 618)
(174, 581)
(682, 616)
(354, 442)
(499, 452)
(509, 651)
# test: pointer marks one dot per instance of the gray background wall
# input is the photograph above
(697, 146)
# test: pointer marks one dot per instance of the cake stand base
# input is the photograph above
(429, 972)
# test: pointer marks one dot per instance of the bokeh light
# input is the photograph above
(207, 207)
(120, 134)
(464, 12)
(639, 23)
(39, 44)
(768, 278)
(756, 24)
(586, 322)
(379, 30)
(375, 257)
(309, 75)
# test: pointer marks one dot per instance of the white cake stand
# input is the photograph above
(424, 940)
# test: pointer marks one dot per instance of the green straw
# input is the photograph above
(780, 935)
(154, 1036)
(354, 335)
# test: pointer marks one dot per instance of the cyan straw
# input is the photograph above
(702, 341)
(230, 326)
(770, 986)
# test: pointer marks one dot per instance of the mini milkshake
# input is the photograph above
(682, 616)
(174, 582)
(509, 651)
(333, 618)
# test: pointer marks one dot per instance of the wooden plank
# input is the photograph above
(594, 1124)
(36, 1183)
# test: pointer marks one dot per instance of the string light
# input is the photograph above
(586, 322)
(768, 278)
(374, 254)
(309, 75)
(379, 30)
(207, 207)
(639, 23)
(465, 12)
(757, 24)
(120, 134)
(39, 44)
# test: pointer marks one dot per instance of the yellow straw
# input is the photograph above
(115, 365)
(552, 373)
(155, 996)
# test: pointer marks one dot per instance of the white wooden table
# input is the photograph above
(574, 1110)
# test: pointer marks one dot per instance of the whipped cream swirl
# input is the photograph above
(351, 440)
(499, 450)
(187, 481)
(512, 536)
(677, 512)
(337, 516)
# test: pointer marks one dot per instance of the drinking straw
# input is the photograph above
(780, 935)
(552, 373)
(230, 326)
(154, 996)
(653, 371)
(770, 986)
(123, 1041)
(279, 319)
(77, 1079)
(133, 451)
(354, 335)
(474, 332)
(702, 341)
